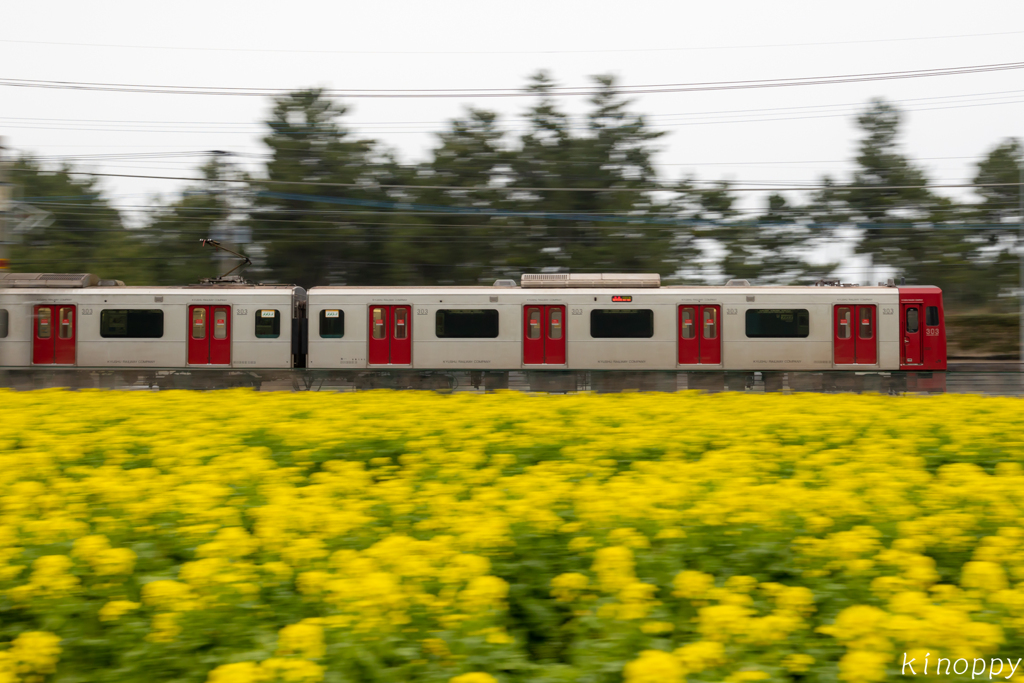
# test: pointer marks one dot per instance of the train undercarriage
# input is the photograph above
(525, 380)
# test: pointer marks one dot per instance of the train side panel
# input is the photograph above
(16, 346)
(338, 330)
(105, 338)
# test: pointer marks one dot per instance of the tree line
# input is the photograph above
(331, 207)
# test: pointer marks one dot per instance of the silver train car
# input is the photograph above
(560, 331)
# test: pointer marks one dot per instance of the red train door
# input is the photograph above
(867, 337)
(53, 335)
(209, 338)
(912, 352)
(544, 335)
(854, 340)
(844, 346)
(390, 335)
(710, 338)
(699, 335)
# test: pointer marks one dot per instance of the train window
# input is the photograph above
(778, 323)
(220, 323)
(912, 320)
(332, 323)
(687, 328)
(624, 323)
(43, 323)
(533, 323)
(199, 323)
(66, 316)
(401, 322)
(710, 323)
(555, 324)
(148, 324)
(931, 316)
(3, 323)
(867, 322)
(466, 324)
(379, 324)
(268, 323)
(844, 330)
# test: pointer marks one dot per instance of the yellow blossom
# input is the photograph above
(654, 666)
(115, 609)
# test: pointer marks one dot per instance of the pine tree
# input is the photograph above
(323, 217)
(902, 224)
(462, 243)
(587, 230)
(210, 208)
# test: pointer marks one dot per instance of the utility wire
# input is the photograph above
(583, 118)
(512, 188)
(581, 126)
(588, 91)
(267, 155)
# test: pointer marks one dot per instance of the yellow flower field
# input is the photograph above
(236, 537)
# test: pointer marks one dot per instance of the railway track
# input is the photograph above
(1004, 378)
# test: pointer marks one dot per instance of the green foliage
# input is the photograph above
(204, 210)
(310, 238)
(615, 153)
(983, 334)
(567, 193)
(84, 233)
(904, 225)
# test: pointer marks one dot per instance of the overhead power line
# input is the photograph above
(855, 106)
(658, 188)
(694, 119)
(694, 48)
(268, 155)
(563, 91)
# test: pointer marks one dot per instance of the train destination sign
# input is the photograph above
(620, 297)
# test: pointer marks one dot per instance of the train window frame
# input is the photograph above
(866, 323)
(931, 313)
(555, 323)
(326, 322)
(709, 323)
(533, 320)
(221, 320)
(487, 325)
(801, 326)
(378, 323)
(913, 316)
(131, 327)
(5, 320)
(400, 330)
(275, 323)
(41, 322)
(66, 322)
(198, 323)
(688, 322)
(603, 320)
(844, 322)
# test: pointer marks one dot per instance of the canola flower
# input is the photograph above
(238, 537)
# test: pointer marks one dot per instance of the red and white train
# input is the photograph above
(560, 329)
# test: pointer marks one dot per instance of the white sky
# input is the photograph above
(359, 45)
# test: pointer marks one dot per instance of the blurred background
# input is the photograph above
(409, 144)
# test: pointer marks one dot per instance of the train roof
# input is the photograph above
(530, 283)
(92, 282)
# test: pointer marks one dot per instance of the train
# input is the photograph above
(550, 331)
